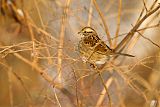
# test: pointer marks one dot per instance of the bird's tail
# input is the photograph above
(123, 54)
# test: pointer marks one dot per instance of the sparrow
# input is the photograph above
(92, 49)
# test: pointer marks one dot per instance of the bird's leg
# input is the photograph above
(93, 65)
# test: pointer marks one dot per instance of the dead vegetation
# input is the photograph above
(40, 65)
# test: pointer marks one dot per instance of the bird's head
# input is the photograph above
(86, 31)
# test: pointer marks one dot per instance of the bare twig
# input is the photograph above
(134, 41)
(133, 30)
(149, 40)
(55, 94)
(105, 86)
(118, 22)
(104, 22)
(10, 87)
(102, 95)
(29, 97)
(128, 81)
(43, 27)
(76, 86)
(144, 3)
(90, 13)
(61, 39)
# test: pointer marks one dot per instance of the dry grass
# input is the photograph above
(41, 67)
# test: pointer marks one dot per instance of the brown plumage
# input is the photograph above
(92, 49)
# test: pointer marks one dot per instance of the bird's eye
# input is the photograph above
(85, 31)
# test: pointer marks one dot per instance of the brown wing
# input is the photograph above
(102, 48)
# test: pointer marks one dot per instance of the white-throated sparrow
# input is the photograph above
(92, 49)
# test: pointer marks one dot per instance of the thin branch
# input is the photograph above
(90, 13)
(57, 98)
(34, 52)
(128, 81)
(29, 97)
(141, 29)
(144, 3)
(10, 87)
(61, 38)
(43, 27)
(118, 22)
(104, 22)
(149, 40)
(105, 87)
(37, 69)
(154, 3)
(133, 30)
(76, 87)
(134, 40)
(103, 92)
(43, 32)
(140, 15)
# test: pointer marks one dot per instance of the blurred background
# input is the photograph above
(40, 64)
